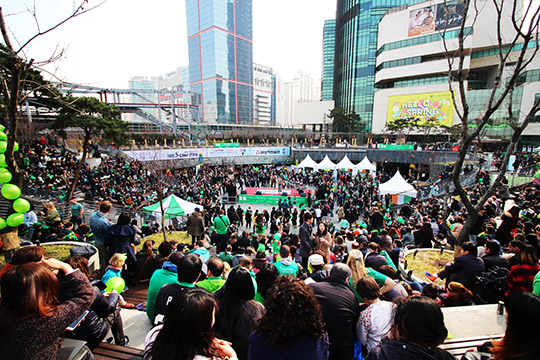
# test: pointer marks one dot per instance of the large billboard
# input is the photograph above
(430, 106)
(435, 18)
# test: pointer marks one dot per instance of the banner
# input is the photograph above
(430, 106)
(436, 18)
(422, 21)
(175, 154)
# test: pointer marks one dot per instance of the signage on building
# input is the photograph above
(432, 18)
(396, 146)
(437, 107)
(179, 154)
(224, 145)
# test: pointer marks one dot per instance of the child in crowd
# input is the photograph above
(116, 263)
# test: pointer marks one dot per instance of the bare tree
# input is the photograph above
(513, 48)
(19, 80)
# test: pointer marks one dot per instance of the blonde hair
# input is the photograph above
(117, 260)
(356, 263)
(49, 205)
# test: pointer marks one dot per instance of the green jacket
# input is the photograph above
(212, 284)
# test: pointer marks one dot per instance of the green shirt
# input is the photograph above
(291, 269)
(212, 284)
(536, 284)
(221, 224)
(76, 210)
(380, 279)
(226, 257)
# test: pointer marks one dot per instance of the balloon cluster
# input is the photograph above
(10, 191)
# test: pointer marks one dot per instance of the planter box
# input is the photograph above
(93, 262)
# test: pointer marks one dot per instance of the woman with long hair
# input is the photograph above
(323, 239)
(521, 340)
(521, 277)
(389, 288)
(238, 312)
(187, 331)
(292, 326)
(32, 318)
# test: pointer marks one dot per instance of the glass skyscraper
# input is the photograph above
(329, 42)
(357, 22)
(221, 58)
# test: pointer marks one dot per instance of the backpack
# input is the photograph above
(490, 286)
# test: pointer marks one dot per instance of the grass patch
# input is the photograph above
(180, 236)
(430, 261)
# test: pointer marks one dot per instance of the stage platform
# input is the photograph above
(271, 196)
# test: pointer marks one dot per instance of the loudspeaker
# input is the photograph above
(283, 194)
(258, 192)
(231, 190)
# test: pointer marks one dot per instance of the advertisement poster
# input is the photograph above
(422, 21)
(435, 106)
(449, 15)
(175, 154)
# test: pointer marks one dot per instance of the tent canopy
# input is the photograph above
(308, 163)
(397, 186)
(345, 163)
(365, 164)
(326, 164)
(173, 207)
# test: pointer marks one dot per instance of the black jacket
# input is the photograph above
(466, 268)
(340, 311)
(404, 350)
(306, 240)
(492, 260)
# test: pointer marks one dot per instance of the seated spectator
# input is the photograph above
(417, 332)
(292, 327)
(464, 269)
(164, 250)
(103, 315)
(521, 276)
(144, 267)
(187, 330)
(514, 247)
(266, 277)
(316, 268)
(168, 274)
(286, 265)
(374, 259)
(259, 261)
(214, 279)
(340, 310)
(189, 270)
(23, 255)
(456, 295)
(33, 321)
(375, 321)
(238, 312)
(492, 258)
(521, 339)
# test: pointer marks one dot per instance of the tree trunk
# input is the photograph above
(160, 197)
(79, 166)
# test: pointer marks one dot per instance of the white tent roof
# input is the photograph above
(365, 164)
(326, 164)
(345, 163)
(397, 185)
(308, 163)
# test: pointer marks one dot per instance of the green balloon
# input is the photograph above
(3, 160)
(15, 220)
(115, 283)
(2, 223)
(3, 135)
(277, 236)
(21, 205)
(2, 128)
(10, 191)
(16, 146)
(5, 176)
(3, 146)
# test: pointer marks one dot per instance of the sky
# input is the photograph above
(124, 38)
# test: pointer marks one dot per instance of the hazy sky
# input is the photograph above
(125, 38)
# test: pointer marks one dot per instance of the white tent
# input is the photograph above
(345, 163)
(397, 186)
(308, 163)
(326, 164)
(365, 164)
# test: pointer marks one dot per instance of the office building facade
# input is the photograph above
(356, 43)
(412, 67)
(221, 59)
(327, 76)
(264, 99)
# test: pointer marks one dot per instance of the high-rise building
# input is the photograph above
(327, 76)
(356, 44)
(264, 91)
(221, 58)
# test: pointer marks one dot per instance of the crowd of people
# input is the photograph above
(318, 281)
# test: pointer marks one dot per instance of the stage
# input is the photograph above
(271, 196)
